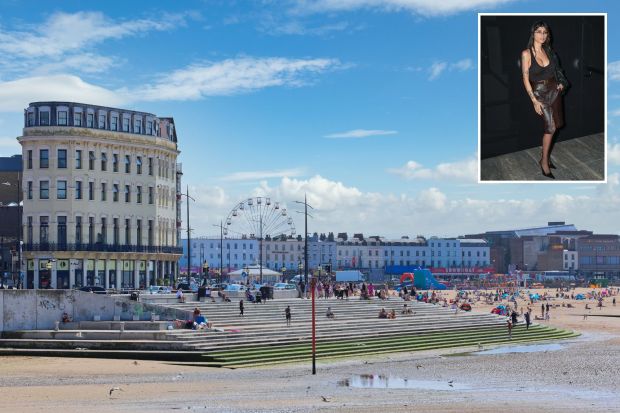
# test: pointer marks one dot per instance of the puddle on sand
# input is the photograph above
(532, 348)
(380, 381)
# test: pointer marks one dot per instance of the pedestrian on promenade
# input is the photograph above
(547, 307)
(527, 320)
(542, 310)
(287, 313)
(514, 317)
(509, 323)
(241, 308)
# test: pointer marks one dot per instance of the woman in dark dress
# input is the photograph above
(544, 82)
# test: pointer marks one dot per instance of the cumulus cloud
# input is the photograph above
(464, 170)
(360, 133)
(339, 207)
(15, 95)
(233, 76)
(260, 175)
(422, 7)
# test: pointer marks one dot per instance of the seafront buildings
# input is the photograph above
(100, 197)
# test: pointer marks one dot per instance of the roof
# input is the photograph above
(11, 163)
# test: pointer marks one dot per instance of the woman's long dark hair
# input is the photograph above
(547, 44)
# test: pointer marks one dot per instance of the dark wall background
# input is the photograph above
(508, 120)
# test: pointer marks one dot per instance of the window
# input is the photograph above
(139, 165)
(115, 233)
(127, 231)
(62, 158)
(137, 126)
(104, 161)
(62, 118)
(91, 230)
(101, 121)
(139, 194)
(139, 232)
(150, 234)
(125, 124)
(43, 230)
(30, 121)
(114, 123)
(103, 191)
(29, 159)
(30, 239)
(91, 160)
(104, 231)
(44, 190)
(78, 189)
(127, 194)
(150, 195)
(61, 190)
(29, 189)
(115, 162)
(61, 230)
(115, 192)
(44, 118)
(78, 159)
(90, 120)
(127, 164)
(44, 158)
(77, 118)
(151, 166)
(91, 191)
(149, 127)
(78, 230)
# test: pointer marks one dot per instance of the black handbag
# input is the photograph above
(560, 77)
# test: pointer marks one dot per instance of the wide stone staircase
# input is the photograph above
(261, 336)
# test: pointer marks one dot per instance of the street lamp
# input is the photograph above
(19, 231)
(283, 273)
(189, 241)
(221, 227)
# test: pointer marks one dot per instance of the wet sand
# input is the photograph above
(583, 374)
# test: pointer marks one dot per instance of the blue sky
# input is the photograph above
(367, 106)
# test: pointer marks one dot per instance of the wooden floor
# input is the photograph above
(579, 159)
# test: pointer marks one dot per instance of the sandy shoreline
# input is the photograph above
(580, 373)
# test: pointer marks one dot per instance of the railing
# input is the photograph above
(99, 247)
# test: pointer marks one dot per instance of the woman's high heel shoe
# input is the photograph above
(548, 175)
(551, 165)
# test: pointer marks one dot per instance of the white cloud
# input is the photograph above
(422, 7)
(86, 63)
(64, 32)
(465, 170)
(15, 95)
(436, 69)
(233, 76)
(613, 70)
(613, 153)
(431, 211)
(361, 133)
(259, 175)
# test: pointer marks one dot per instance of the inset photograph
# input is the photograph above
(542, 97)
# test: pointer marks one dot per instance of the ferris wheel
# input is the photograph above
(259, 217)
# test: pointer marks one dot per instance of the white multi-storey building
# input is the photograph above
(458, 252)
(237, 253)
(570, 260)
(100, 196)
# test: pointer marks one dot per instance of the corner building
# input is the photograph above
(101, 193)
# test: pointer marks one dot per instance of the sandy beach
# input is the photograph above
(577, 374)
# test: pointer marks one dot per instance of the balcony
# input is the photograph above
(100, 247)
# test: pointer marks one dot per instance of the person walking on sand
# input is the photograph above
(527, 320)
(287, 313)
(241, 308)
(542, 310)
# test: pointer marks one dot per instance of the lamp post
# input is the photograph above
(283, 273)
(19, 231)
(189, 241)
(221, 227)
(305, 203)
